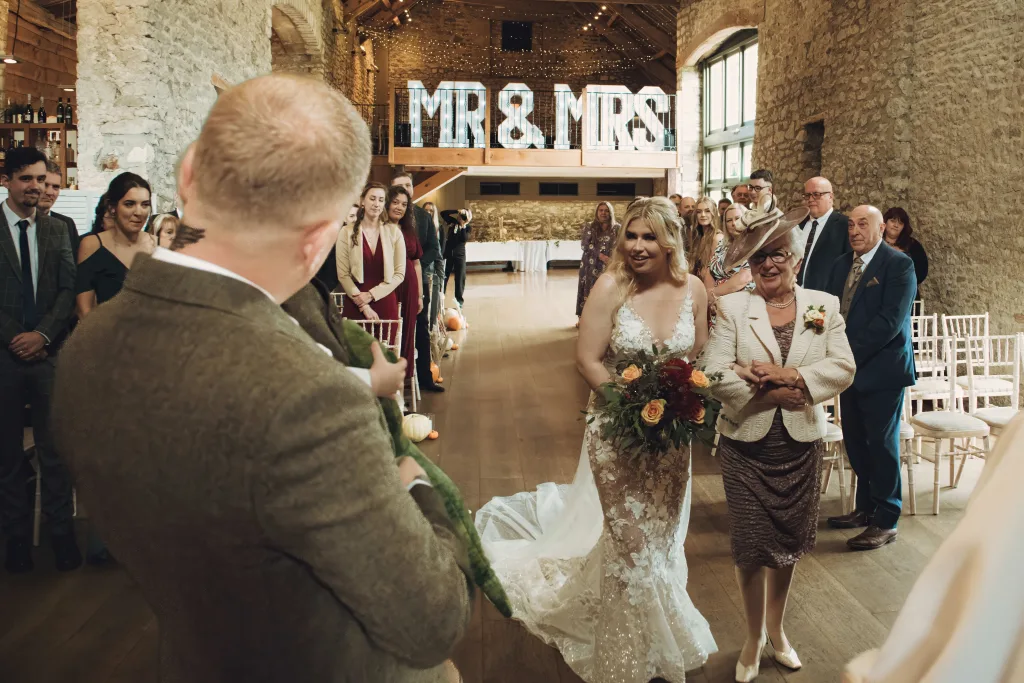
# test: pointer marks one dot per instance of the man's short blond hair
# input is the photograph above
(281, 150)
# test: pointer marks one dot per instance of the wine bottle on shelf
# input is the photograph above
(8, 112)
(70, 158)
(30, 113)
(41, 116)
(60, 110)
(67, 113)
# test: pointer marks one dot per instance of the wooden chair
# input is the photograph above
(933, 384)
(1000, 351)
(835, 455)
(944, 428)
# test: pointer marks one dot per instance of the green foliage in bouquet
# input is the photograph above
(359, 342)
(656, 403)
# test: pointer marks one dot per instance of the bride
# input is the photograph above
(596, 568)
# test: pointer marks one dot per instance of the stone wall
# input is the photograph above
(144, 80)
(921, 109)
(462, 42)
(532, 219)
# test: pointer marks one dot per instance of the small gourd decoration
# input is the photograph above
(453, 320)
(416, 427)
(435, 373)
(449, 344)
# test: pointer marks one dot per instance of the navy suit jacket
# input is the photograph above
(831, 242)
(878, 322)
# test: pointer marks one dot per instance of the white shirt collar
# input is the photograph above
(185, 261)
(866, 258)
(821, 221)
(13, 218)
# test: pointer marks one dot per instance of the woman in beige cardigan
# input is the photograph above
(782, 351)
(370, 254)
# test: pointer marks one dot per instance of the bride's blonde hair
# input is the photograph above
(663, 218)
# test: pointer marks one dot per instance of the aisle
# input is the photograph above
(511, 420)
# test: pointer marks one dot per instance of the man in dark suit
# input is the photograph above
(37, 294)
(429, 263)
(51, 191)
(263, 515)
(459, 230)
(824, 233)
(876, 287)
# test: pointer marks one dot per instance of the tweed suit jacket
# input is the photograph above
(257, 503)
(743, 334)
(55, 287)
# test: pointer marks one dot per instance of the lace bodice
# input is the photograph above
(631, 333)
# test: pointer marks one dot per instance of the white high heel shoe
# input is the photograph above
(787, 659)
(745, 674)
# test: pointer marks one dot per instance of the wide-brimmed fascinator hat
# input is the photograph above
(758, 226)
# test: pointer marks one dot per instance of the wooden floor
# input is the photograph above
(511, 420)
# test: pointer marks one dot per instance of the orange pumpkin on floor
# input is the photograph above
(452, 320)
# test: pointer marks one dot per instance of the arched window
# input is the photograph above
(730, 103)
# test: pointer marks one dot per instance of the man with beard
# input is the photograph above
(37, 297)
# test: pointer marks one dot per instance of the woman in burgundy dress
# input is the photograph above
(370, 255)
(409, 292)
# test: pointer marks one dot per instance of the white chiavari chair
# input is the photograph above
(965, 325)
(1001, 353)
(933, 383)
(835, 455)
(389, 334)
(917, 308)
(907, 457)
(945, 428)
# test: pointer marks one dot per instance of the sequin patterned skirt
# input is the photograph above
(772, 488)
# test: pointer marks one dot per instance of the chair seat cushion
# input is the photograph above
(933, 386)
(906, 431)
(987, 385)
(948, 425)
(995, 417)
(832, 433)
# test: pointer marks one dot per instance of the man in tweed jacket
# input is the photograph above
(37, 281)
(258, 505)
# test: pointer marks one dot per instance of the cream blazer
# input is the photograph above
(743, 334)
(350, 260)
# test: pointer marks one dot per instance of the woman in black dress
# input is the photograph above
(104, 258)
(898, 234)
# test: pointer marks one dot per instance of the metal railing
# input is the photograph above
(641, 121)
(376, 118)
(523, 119)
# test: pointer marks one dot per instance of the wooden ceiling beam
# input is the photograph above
(355, 10)
(622, 44)
(658, 38)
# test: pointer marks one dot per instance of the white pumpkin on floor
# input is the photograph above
(453, 320)
(416, 427)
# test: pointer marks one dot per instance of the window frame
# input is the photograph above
(737, 136)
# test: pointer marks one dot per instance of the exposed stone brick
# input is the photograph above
(921, 108)
(533, 219)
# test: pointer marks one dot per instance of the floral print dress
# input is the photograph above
(596, 240)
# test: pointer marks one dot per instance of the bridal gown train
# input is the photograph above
(596, 568)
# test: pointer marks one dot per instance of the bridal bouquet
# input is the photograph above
(656, 403)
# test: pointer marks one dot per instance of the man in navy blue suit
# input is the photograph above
(876, 287)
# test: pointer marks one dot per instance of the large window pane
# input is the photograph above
(747, 153)
(732, 163)
(733, 93)
(750, 83)
(715, 166)
(716, 96)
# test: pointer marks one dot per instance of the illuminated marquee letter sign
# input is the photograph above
(458, 121)
(617, 119)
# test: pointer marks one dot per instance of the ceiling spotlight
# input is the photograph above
(595, 17)
(604, 6)
(9, 59)
(584, 28)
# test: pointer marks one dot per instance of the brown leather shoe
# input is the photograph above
(854, 520)
(872, 538)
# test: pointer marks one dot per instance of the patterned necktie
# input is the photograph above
(807, 251)
(28, 294)
(852, 280)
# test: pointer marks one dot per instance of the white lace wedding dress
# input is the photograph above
(596, 568)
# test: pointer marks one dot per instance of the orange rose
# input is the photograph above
(653, 412)
(699, 380)
(632, 373)
(699, 417)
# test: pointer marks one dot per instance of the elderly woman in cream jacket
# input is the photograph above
(370, 255)
(782, 351)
